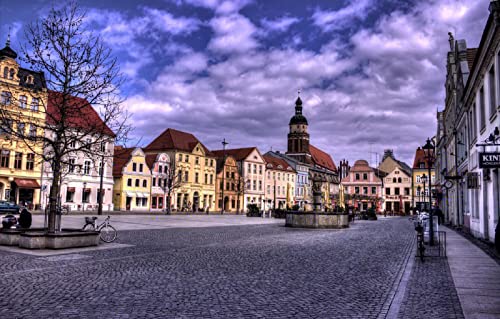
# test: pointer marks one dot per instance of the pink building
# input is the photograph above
(362, 187)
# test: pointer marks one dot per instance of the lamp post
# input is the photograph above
(224, 143)
(101, 178)
(429, 149)
(419, 196)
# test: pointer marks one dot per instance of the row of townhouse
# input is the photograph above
(468, 138)
(175, 171)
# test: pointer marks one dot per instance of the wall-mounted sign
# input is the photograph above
(489, 160)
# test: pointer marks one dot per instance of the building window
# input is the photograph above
(186, 176)
(206, 161)
(134, 167)
(249, 168)
(254, 185)
(137, 183)
(197, 160)
(374, 190)
(211, 162)
(101, 172)
(365, 190)
(255, 168)
(268, 189)
(493, 97)
(482, 110)
(23, 101)
(4, 158)
(196, 175)
(418, 179)
(6, 98)
(388, 191)
(187, 158)
(144, 183)
(211, 179)
(154, 181)
(357, 177)
(30, 162)
(260, 169)
(18, 161)
(356, 190)
(206, 179)
(32, 131)
(407, 191)
(70, 195)
(399, 180)
(396, 191)
(141, 167)
(85, 195)
(34, 104)
(11, 74)
(88, 142)
(365, 176)
(129, 182)
(180, 157)
(394, 179)
(86, 168)
(260, 185)
(103, 147)
(6, 72)
(20, 129)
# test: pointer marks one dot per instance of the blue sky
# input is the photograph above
(371, 72)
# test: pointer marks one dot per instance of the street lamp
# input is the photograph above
(419, 195)
(84, 187)
(429, 155)
(224, 143)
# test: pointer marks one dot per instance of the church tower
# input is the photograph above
(298, 138)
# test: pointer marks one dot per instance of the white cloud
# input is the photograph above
(329, 20)
(279, 25)
(233, 33)
(219, 6)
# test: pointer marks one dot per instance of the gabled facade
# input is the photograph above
(420, 190)
(196, 170)
(280, 183)
(132, 180)
(160, 167)
(396, 184)
(80, 182)
(251, 167)
(231, 184)
(23, 97)
(362, 187)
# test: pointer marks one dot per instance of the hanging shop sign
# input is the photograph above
(489, 160)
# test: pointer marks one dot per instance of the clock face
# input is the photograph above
(448, 184)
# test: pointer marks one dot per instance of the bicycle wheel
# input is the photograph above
(88, 227)
(108, 234)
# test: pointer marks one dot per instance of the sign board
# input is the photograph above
(489, 160)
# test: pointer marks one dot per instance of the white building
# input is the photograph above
(81, 176)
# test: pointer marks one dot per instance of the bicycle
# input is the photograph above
(107, 233)
(420, 238)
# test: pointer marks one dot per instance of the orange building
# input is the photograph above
(362, 187)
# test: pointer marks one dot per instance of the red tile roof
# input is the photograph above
(275, 162)
(150, 160)
(239, 154)
(420, 158)
(79, 114)
(321, 158)
(120, 159)
(172, 139)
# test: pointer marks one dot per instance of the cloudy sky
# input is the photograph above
(371, 72)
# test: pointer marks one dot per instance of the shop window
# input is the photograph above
(70, 195)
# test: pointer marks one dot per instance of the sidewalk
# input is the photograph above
(476, 277)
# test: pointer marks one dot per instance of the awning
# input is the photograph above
(71, 189)
(130, 194)
(140, 195)
(26, 183)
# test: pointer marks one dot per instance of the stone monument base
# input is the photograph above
(316, 220)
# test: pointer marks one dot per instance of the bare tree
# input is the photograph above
(174, 181)
(82, 109)
(240, 191)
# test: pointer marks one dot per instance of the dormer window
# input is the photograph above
(29, 79)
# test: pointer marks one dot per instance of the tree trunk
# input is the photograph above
(54, 193)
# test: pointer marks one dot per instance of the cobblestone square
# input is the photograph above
(250, 271)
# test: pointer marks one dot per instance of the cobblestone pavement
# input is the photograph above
(431, 292)
(251, 271)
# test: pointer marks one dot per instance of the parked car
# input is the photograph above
(8, 207)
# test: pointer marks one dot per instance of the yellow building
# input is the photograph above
(280, 183)
(132, 179)
(22, 111)
(420, 190)
(194, 185)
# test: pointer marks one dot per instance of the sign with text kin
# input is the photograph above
(489, 160)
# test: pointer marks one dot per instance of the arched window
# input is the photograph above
(6, 98)
(11, 74)
(5, 72)
(399, 179)
(394, 179)
(144, 183)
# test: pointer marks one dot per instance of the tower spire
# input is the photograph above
(7, 43)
